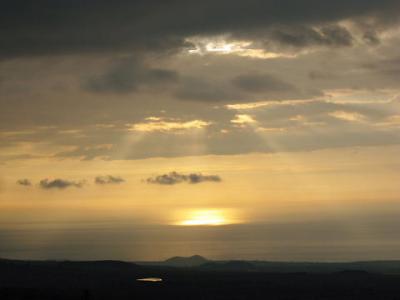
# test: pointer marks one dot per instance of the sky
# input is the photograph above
(140, 130)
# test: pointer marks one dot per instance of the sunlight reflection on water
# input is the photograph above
(210, 217)
(150, 279)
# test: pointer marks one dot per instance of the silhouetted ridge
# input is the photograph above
(225, 280)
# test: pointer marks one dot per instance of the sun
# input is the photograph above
(205, 218)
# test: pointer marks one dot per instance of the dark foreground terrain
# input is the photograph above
(208, 280)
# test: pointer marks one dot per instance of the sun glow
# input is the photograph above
(222, 45)
(205, 218)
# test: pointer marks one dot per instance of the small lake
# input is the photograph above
(150, 279)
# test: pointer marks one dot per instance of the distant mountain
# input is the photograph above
(179, 261)
(200, 263)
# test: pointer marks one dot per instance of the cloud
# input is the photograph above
(387, 68)
(24, 182)
(261, 83)
(129, 75)
(175, 177)
(242, 120)
(59, 184)
(108, 179)
(371, 37)
(321, 75)
(241, 88)
(292, 125)
(115, 78)
(348, 116)
(203, 90)
(90, 150)
(154, 124)
(69, 27)
(300, 37)
(263, 86)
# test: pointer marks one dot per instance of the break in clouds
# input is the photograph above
(175, 177)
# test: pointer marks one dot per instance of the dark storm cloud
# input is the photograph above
(24, 182)
(72, 26)
(108, 179)
(129, 75)
(59, 184)
(332, 35)
(175, 177)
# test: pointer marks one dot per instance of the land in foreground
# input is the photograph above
(198, 278)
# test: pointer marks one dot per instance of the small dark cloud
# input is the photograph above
(175, 177)
(321, 75)
(59, 184)
(336, 35)
(305, 36)
(371, 37)
(24, 182)
(129, 75)
(198, 89)
(108, 179)
(388, 67)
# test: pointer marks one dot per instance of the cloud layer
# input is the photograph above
(134, 79)
(101, 26)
